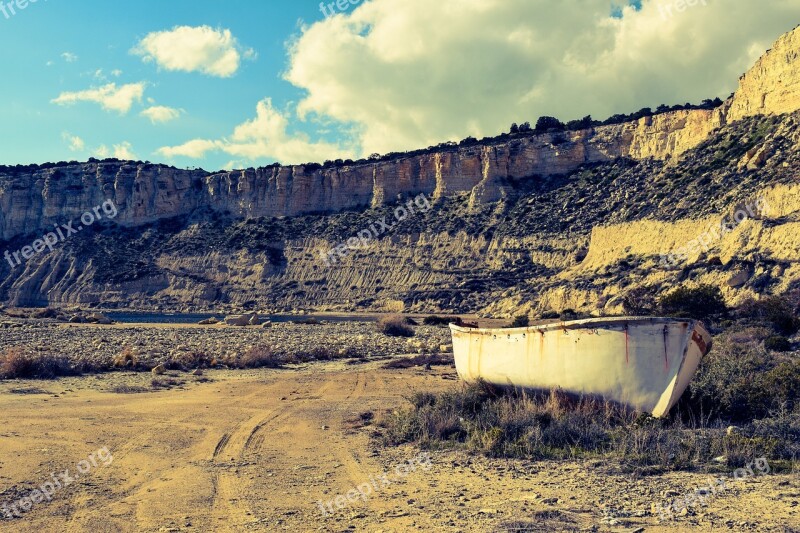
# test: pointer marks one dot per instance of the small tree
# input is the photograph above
(545, 124)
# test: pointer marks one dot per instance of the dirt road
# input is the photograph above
(256, 451)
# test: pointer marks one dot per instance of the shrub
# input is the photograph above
(548, 315)
(189, 360)
(258, 357)
(420, 360)
(778, 343)
(701, 302)
(521, 321)
(19, 363)
(639, 302)
(434, 320)
(777, 311)
(568, 314)
(126, 358)
(394, 326)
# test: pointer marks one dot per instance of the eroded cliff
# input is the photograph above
(545, 222)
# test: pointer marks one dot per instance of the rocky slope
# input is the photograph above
(542, 222)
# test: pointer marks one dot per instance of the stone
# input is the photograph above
(159, 370)
(738, 279)
(209, 321)
(240, 320)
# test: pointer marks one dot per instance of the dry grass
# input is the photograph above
(127, 358)
(395, 326)
(20, 363)
(510, 423)
(421, 360)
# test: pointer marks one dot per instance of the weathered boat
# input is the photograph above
(643, 363)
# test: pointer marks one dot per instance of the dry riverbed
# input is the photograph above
(97, 346)
(255, 450)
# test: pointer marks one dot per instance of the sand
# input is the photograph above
(255, 450)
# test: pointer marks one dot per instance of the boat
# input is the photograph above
(644, 363)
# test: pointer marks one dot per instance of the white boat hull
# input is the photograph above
(643, 363)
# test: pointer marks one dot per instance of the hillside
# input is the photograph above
(536, 222)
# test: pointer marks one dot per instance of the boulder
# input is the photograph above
(739, 279)
(158, 370)
(209, 321)
(99, 318)
(240, 320)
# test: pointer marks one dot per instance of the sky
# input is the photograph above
(234, 84)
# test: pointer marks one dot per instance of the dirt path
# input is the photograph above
(256, 451)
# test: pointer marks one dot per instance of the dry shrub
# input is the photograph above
(259, 357)
(420, 360)
(189, 360)
(127, 358)
(395, 326)
(20, 363)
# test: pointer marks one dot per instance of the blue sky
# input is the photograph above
(101, 35)
(381, 76)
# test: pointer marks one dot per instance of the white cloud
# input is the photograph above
(265, 136)
(110, 97)
(194, 49)
(411, 73)
(194, 149)
(116, 73)
(123, 151)
(76, 144)
(69, 57)
(160, 113)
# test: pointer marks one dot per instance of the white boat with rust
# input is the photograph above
(643, 363)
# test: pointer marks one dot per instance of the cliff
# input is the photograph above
(512, 223)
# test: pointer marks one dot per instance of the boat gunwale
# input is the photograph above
(581, 324)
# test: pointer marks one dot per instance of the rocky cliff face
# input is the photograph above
(528, 219)
(38, 199)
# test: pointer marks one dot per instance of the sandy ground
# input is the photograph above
(255, 451)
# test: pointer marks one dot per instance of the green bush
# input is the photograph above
(521, 321)
(777, 311)
(434, 320)
(777, 343)
(701, 303)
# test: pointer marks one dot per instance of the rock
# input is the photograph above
(159, 370)
(209, 321)
(197, 372)
(240, 320)
(266, 324)
(99, 318)
(739, 279)
(446, 348)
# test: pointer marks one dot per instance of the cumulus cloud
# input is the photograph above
(110, 97)
(411, 73)
(264, 137)
(75, 143)
(69, 57)
(194, 49)
(194, 149)
(123, 151)
(160, 114)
